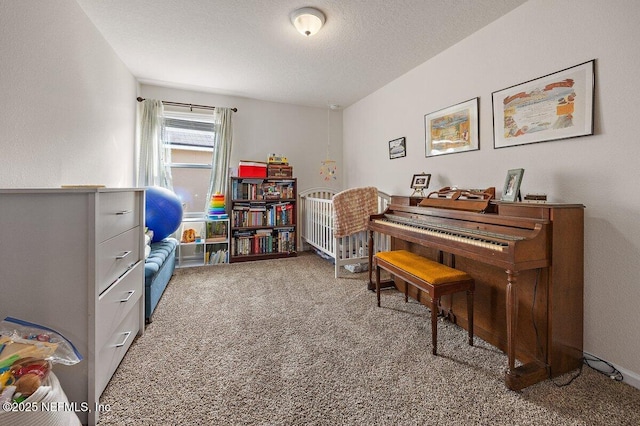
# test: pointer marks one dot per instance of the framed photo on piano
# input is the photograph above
(511, 190)
(452, 129)
(419, 183)
(552, 107)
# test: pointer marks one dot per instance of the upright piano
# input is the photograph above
(527, 260)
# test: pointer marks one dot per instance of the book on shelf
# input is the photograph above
(286, 239)
(270, 191)
(217, 257)
(284, 214)
(262, 189)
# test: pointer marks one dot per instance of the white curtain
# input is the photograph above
(221, 153)
(155, 158)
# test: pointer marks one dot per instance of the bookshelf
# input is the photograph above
(203, 241)
(262, 214)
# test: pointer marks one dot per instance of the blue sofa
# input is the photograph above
(158, 270)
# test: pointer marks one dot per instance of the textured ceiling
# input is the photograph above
(249, 48)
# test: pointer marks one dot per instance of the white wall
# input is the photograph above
(67, 101)
(261, 128)
(600, 171)
(68, 117)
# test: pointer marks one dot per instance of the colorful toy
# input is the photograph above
(188, 235)
(216, 208)
(28, 384)
(6, 379)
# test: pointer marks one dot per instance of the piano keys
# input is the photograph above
(527, 260)
(485, 239)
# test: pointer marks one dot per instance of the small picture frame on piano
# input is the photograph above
(511, 190)
(419, 183)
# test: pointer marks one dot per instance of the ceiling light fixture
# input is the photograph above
(307, 20)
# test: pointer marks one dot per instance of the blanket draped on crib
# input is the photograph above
(352, 208)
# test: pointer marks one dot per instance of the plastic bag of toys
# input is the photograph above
(25, 338)
(27, 353)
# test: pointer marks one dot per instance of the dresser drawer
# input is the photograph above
(117, 212)
(115, 303)
(115, 256)
(116, 346)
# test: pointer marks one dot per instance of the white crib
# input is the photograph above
(316, 229)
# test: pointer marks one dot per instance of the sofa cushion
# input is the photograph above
(159, 252)
(158, 269)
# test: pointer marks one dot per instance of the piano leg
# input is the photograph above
(372, 285)
(527, 374)
(512, 318)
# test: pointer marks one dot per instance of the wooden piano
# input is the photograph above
(527, 261)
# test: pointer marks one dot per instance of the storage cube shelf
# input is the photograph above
(203, 241)
(263, 218)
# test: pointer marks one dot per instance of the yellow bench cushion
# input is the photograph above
(427, 270)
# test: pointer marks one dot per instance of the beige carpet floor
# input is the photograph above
(281, 342)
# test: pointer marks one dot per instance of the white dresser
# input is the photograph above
(73, 260)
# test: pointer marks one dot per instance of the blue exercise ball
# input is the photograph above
(163, 212)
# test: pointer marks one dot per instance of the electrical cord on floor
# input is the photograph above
(535, 327)
(614, 374)
(560, 385)
(605, 367)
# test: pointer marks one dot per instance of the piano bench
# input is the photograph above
(432, 277)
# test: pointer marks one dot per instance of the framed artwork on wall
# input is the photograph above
(397, 148)
(556, 106)
(453, 129)
(511, 190)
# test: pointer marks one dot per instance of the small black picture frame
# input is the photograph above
(397, 148)
(511, 190)
(420, 181)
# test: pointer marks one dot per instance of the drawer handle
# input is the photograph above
(123, 255)
(126, 337)
(123, 212)
(129, 296)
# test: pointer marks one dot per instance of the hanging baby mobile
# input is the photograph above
(328, 167)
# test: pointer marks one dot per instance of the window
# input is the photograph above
(191, 137)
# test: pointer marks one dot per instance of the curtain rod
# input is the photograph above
(190, 106)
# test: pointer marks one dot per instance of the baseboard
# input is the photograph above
(629, 377)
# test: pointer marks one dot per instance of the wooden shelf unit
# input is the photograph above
(263, 215)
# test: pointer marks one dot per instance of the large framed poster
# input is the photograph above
(556, 106)
(453, 129)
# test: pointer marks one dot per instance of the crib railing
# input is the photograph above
(316, 218)
(318, 224)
